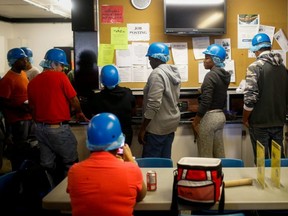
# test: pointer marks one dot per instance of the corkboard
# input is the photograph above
(272, 13)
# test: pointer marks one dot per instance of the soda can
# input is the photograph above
(151, 180)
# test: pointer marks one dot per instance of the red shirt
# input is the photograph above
(49, 94)
(103, 185)
(13, 86)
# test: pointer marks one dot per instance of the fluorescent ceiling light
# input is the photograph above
(36, 4)
(60, 7)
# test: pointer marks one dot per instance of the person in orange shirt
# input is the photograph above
(14, 104)
(103, 178)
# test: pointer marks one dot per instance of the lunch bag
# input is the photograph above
(198, 184)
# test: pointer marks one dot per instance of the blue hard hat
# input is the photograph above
(104, 133)
(259, 41)
(27, 51)
(216, 50)
(157, 48)
(56, 55)
(109, 76)
(14, 54)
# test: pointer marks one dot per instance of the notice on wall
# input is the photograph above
(119, 37)
(111, 14)
(200, 44)
(248, 26)
(138, 31)
(281, 40)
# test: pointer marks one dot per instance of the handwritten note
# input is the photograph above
(119, 37)
(111, 14)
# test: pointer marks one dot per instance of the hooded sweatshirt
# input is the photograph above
(266, 91)
(214, 90)
(120, 101)
(161, 97)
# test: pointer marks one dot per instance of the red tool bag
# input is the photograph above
(197, 183)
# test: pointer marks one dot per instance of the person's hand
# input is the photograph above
(195, 128)
(127, 154)
(119, 157)
(80, 117)
(141, 136)
(245, 122)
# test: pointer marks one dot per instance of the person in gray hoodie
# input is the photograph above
(209, 121)
(265, 96)
(161, 113)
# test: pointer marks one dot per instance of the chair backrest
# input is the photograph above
(6, 179)
(232, 162)
(154, 162)
(284, 162)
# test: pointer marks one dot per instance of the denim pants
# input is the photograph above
(56, 144)
(265, 137)
(158, 145)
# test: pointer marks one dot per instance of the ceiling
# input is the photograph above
(21, 11)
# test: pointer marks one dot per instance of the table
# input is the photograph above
(251, 197)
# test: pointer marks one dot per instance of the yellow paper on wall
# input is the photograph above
(275, 163)
(260, 164)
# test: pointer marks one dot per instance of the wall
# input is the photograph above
(272, 13)
(39, 37)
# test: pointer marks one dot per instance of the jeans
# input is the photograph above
(158, 145)
(58, 149)
(265, 137)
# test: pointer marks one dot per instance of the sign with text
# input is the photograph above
(111, 14)
(138, 32)
(275, 163)
(260, 164)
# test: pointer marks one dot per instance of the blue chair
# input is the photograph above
(284, 162)
(231, 214)
(154, 162)
(232, 162)
(6, 180)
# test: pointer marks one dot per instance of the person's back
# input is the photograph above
(265, 96)
(51, 99)
(103, 178)
(54, 107)
(272, 84)
(114, 99)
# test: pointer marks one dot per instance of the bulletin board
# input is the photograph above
(272, 13)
